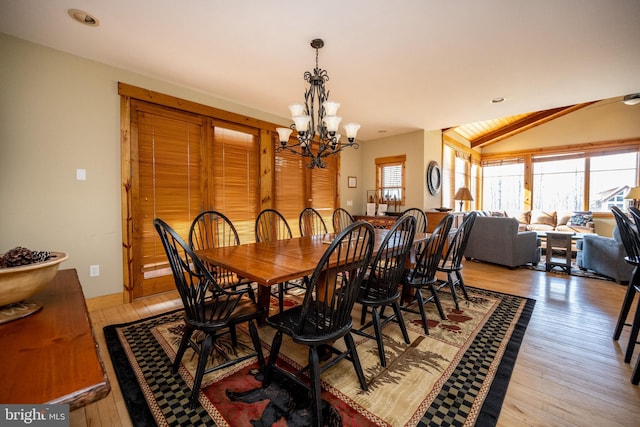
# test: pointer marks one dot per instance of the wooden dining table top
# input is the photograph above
(270, 263)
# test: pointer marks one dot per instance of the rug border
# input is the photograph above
(490, 411)
(488, 416)
(137, 406)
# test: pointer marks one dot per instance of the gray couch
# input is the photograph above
(604, 255)
(498, 241)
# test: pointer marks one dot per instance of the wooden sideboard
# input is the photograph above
(52, 356)
(433, 218)
(381, 221)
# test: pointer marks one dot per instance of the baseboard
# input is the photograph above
(105, 301)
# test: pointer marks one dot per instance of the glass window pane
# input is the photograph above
(558, 185)
(610, 179)
(503, 187)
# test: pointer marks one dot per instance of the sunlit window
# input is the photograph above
(558, 185)
(610, 178)
(503, 186)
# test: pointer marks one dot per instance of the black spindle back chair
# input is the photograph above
(311, 223)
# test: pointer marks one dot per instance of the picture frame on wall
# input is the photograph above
(352, 182)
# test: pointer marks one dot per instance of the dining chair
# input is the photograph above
(208, 308)
(341, 218)
(325, 313)
(420, 216)
(311, 223)
(271, 225)
(212, 229)
(629, 232)
(379, 288)
(423, 274)
(451, 263)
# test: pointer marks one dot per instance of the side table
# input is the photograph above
(558, 240)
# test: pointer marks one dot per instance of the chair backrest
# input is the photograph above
(458, 243)
(430, 255)
(271, 226)
(211, 229)
(341, 218)
(389, 263)
(204, 301)
(311, 223)
(628, 233)
(333, 287)
(420, 216)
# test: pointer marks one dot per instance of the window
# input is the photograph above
(558, 185)
(503, 186)
(610, 177)
(390, 179)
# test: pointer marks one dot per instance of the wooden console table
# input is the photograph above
(52, 356)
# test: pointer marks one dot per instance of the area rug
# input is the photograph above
(455, 376)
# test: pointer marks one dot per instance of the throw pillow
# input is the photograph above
(580, 219)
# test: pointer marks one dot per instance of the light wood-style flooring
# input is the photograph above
(569, 371)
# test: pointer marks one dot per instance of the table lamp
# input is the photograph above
(463, 194)
(634, 195)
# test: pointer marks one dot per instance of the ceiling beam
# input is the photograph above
(526, 123)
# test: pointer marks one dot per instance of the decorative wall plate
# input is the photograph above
(434, 178)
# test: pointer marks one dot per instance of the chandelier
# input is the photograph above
(316, 121)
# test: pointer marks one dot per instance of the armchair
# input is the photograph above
(604, 255)
(498, 241)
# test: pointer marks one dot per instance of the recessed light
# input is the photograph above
(632, 99)
(497, 100)
(83, 17)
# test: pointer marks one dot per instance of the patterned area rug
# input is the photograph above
(455, 376)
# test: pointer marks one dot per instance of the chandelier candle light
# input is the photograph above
(317, 117)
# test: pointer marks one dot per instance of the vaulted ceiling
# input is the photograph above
(394, 66)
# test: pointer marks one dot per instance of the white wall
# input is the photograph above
(420, 147)
(59, 112)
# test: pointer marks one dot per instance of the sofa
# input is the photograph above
(538, 220)
(497, 240)
(605, 256)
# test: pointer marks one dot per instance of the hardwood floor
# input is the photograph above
(569, 371)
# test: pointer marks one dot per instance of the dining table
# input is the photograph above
(271, 263)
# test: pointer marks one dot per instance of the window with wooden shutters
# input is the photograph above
(298, 187)
(390, 179)
(235, 176)
(169, 182)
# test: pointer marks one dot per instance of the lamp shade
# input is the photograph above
(463, 193)
(633, 194)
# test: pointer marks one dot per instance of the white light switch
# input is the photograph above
(349, 202)
(81, 174)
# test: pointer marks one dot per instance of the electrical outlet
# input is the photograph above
(94, 270)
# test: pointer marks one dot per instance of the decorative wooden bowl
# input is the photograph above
(443, 209)
(19, 283)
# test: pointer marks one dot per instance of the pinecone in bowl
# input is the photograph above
(22, 256)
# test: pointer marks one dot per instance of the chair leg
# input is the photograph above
(436, 300)
(633, 336)
(400, 320)
(363, 316)
(452, 287)
(462, 286)
(378, 331)
(205, 349)
(234, 336)
(351, 347)
(253, 331)
(316, 390)
(423, 314)
(635, 378)
(186, 336)
(273, 356)
(626, 304)
(281, 297)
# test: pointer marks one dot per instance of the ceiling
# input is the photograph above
(394, 66)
